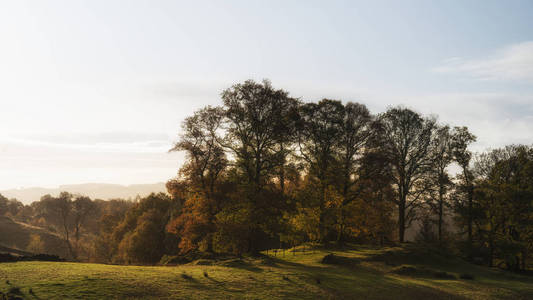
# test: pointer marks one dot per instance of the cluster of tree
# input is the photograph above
(265, 170)
(11, 207)
(77, 219)
(501, 210)
(137, 234)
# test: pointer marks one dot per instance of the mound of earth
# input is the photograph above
(422, 272)
(332, 259)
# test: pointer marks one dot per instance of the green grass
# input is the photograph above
(369, 275)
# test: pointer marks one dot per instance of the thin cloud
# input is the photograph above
(118, 137)
(103, 142)
(511, 63)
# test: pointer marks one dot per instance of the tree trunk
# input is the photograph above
(282, 172)
(77, 240)
(340, 235)
(282, 180)
(401, 218)
(70, 249)
(441, 196)
(524, 256)
(491, 251)
(470, 218)
(321, 225)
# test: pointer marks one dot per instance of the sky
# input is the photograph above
(95, 91)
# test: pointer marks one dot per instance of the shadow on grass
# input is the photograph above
(357, 281)
(241, 264)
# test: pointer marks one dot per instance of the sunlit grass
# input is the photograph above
(296, 275)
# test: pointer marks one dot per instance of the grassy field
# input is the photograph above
(363, 273)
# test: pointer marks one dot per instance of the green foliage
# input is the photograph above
(141, 236)
(36, 244)
(503, 205)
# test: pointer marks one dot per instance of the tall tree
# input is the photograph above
(206, 161)
(255, 125)
(354, 135)
(406, 140)
(205, 157)
(255, 115)
(289, 118)
(504, 205)
(441, 157)
(58, 211)
(82, 208)
(461, 139)
(141, 236)
(319, 134)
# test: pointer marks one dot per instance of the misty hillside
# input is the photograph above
(93, 190)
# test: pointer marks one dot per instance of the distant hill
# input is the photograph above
(93, 190)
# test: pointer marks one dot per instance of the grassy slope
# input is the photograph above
(17, 235)
(292, 276)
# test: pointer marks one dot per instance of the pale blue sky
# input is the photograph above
(94, 91)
